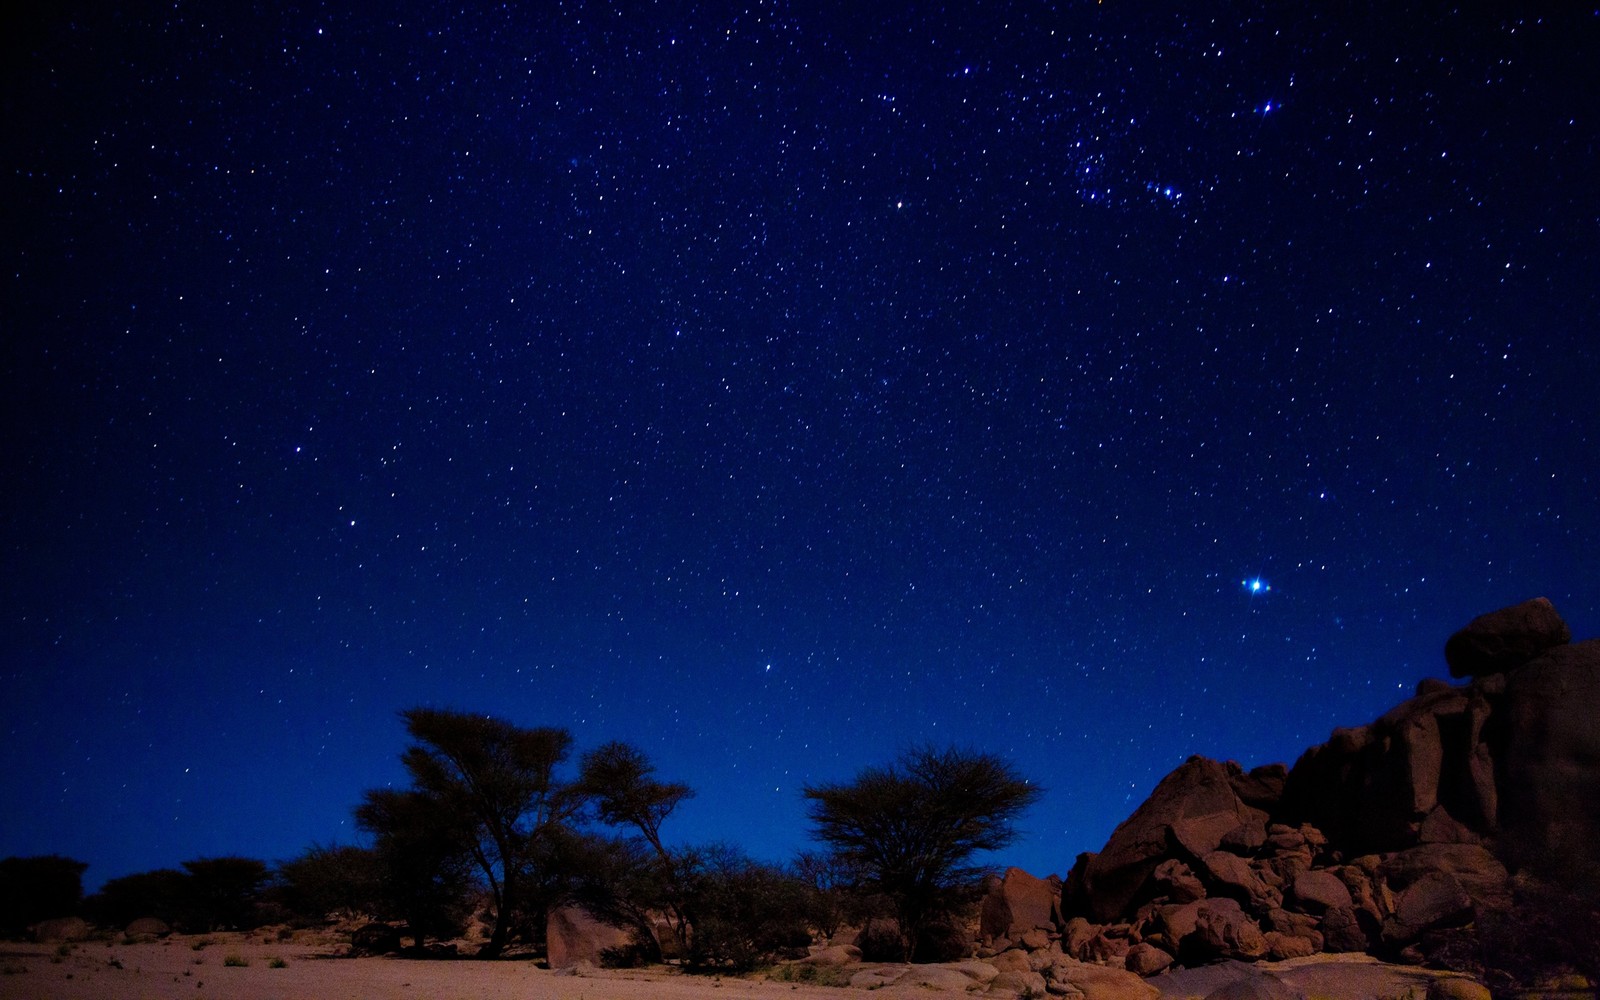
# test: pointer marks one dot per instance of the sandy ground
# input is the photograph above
(165, 970)
(310, 967)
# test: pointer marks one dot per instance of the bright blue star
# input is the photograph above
(1256, 585)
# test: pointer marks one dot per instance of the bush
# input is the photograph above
(744, 913)
(881, 941)
(1552, 928)
(813, 975)
(943, 939)
(38, 888)
(341, 881)
(160, 893)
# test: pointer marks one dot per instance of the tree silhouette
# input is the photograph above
(620, 780)
(423, 859)
(912, 827)
(38, 888)
(502, 779)
(337, 879)
(224, 892)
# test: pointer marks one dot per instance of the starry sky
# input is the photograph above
(773, 386)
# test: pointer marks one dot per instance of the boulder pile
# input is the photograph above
(1390, 839)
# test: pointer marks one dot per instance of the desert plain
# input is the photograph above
(312, 966)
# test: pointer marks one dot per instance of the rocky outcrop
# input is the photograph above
(1187, 817)
(1392, 838)
(1549, 763)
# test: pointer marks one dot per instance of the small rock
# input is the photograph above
(838, 954)
(978, 972)
(1319, 891)
(1020, 983)
(1146, 960)
(1456, 988)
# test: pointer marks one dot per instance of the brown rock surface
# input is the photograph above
(1227, 874)
(573, 935)
(1213, 929)
(1503, 640)
(1018, 903)
(1551, 781)
(1190, 811)
(1319, 891)
(1146, 960)
(1434, 900)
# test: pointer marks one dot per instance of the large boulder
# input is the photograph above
(574, 936)
(1227, 874)
(1145, 960)
(1098, 982)
(147, 927)
(1187, 816)
(1210, 930)
(1345, 929)
(59, 929)
(1176, 882)
(1550, 782)
(1018, 903)
(1434, 900)
(1319, 891)
(1506, 639)
(1479, 873)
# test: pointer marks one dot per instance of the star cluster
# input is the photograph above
(772, 387)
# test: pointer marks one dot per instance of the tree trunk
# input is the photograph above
(501, 935)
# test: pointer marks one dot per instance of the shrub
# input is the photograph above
(744, 912)
(881, 941)
(38, 888)
(943, 939)
(813, 975)
(1551, 928)
(235, 962)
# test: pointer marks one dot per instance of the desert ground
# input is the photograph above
(231, 966)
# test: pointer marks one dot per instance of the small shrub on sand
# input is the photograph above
(235, 962)
(814, 975)
(277, 963)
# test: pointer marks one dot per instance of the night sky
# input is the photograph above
(773, 387)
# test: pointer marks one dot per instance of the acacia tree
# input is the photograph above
(224, 892)
(620, 780)
(502, 779)
(912, 827)
(38, 888)
(424, 866)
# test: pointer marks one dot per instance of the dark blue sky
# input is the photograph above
(772, 387)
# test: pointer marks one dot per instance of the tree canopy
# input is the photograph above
(912, 827)
(503, 780)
